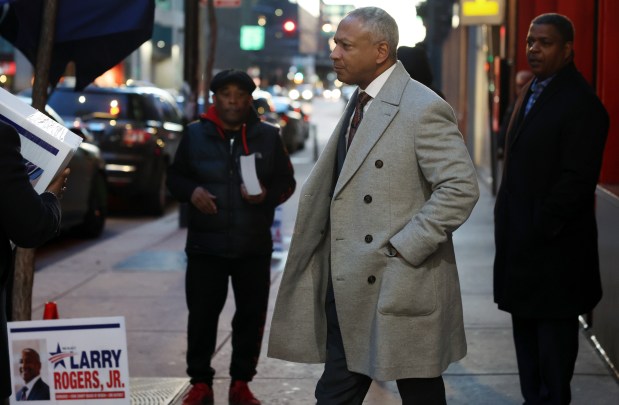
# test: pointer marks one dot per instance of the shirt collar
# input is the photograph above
(542, 83)
(378, 83)
(31, 384)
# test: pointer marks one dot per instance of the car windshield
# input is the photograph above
(73, 104)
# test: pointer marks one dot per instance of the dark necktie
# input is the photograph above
(536, 89)
(362, 100)
(23, 393)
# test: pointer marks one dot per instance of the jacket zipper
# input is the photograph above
(230, 193)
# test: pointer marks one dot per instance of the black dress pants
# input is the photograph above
(339, 386)
(546, 350)
(206, 288)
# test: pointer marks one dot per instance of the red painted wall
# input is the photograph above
(581, 13)
(608, 84)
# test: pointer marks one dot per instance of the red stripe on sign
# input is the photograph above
(89, 395)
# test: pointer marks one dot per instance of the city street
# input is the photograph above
(136, 270)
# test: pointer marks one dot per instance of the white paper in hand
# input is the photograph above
(248, 173)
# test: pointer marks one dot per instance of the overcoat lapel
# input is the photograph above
(515, 121)
(375, 121)
(553, 87)
(341, 144)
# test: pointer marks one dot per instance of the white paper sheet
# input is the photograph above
(248, 173)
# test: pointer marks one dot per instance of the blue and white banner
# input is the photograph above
(69, 360)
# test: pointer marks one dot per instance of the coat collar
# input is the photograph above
(375, 121)
(519, 122)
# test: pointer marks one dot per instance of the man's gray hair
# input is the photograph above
(381, 26)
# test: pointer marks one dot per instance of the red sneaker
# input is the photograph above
(199, 394)
(241, 395)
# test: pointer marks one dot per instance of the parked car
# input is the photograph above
(138, 129)
(263, 104)
(295, 129)
(84, 203)
(304, 109)
(278, 111)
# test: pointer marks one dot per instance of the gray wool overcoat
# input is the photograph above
(408, 180)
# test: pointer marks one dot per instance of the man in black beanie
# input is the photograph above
(229, 230)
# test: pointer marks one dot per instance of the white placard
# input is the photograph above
(248, 173)
(46, 145)
(82, 360)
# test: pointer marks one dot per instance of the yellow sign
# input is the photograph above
(482, 12)
(480, 7)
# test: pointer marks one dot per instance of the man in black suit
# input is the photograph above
(546, 266)
(30, 369)
(26, 218)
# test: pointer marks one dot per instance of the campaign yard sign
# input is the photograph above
(69, 361)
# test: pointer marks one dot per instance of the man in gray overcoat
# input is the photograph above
(370, 285)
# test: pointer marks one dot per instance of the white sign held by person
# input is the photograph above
(69, 361)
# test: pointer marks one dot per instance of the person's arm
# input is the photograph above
(583, 137)
(446, 165)
(28, 219)
(179, 179)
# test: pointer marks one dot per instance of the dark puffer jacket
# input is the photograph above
(209, 157)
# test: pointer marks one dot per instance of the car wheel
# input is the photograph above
(94, 220)
(156, 199)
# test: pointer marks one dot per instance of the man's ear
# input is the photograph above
(569, 50)
(382, 52)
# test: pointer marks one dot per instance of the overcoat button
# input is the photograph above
(367, 199)
(378, 164)
(368, 238)
(371, 280)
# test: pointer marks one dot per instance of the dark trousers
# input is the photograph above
(546, 350)
(339, 386)
(206, 288)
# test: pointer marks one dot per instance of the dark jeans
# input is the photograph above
(339, 386)
(206, 288)
(546, 350)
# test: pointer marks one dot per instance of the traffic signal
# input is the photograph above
(289, 27)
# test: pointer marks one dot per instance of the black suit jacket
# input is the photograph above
(546, 262)
(26, 218)
(39, 392)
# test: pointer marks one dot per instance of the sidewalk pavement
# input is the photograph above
(140, 275)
